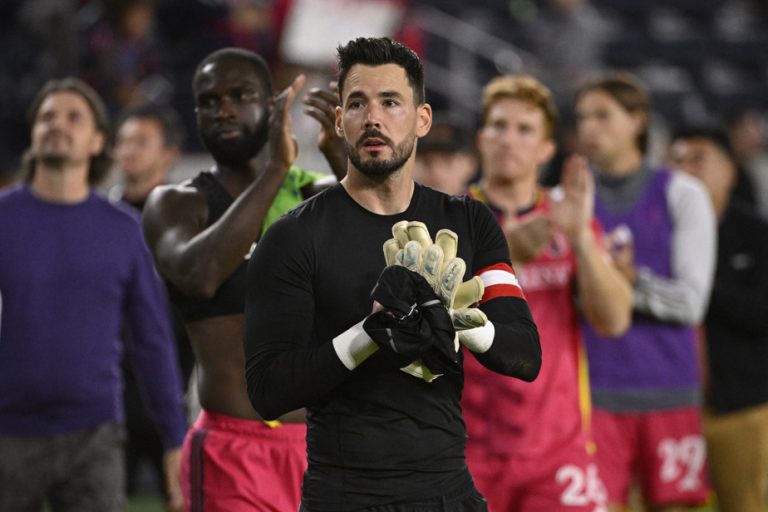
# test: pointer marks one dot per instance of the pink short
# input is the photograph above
(232, 465)
(564, 481)
(665, 450)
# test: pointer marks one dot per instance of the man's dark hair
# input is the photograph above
(166, 117)
(714, 134)
(101, 163)
(377, 51)
(259, 64)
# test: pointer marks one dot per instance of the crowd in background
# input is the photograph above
(703, 62)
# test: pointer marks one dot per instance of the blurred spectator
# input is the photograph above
(567, 38)
(748, 137)
(252, 25)
(146, 147)
(735, 329)
(119, 53)
(445, 157)
(147, 144)
(646, 386)
(78, 268)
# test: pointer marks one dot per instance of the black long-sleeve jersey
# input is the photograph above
(376, 435)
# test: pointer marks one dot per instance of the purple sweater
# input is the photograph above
(70, 277)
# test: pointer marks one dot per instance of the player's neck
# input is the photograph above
(622, 164)
(236, 178)
(388, 195)
(65, 185)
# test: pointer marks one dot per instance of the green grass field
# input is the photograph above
(144, 503)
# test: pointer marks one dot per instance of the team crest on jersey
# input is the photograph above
(558, 245)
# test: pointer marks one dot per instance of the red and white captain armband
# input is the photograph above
(499, 280)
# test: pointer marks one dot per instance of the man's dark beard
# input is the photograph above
(52, 160)
(238, 151)
(400, 154)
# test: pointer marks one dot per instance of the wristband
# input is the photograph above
(354, 346)
(478, 339)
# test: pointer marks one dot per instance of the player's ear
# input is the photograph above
(423, 119)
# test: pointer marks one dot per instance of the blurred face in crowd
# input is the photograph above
(64, 132)
(140, 149)
(379, 119)
(447, 171)
(136, 21)
(232, 110)
(747, 135)
(514, 142)
(704, 159)
(606, 131)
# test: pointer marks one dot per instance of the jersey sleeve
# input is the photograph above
(153, 348)
(284, 370)
(515, 350)
(302, 177)
(683, 297)
(289, 196)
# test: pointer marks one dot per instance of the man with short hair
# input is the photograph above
(202, 233)
(147, 144)
(74, 269)
(385, 432)
(530, 446)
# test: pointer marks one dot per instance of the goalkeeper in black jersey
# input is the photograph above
(381, 379)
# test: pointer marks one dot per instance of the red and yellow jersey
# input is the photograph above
(512, 417)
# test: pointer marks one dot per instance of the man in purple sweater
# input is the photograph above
(74, 269)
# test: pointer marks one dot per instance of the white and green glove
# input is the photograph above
(437, 262)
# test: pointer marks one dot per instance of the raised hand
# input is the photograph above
(321, 105)
(282, 142)
(572, 212)
(527, 237)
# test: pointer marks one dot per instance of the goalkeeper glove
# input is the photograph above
(412, 247)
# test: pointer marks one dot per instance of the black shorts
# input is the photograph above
(465, 500)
